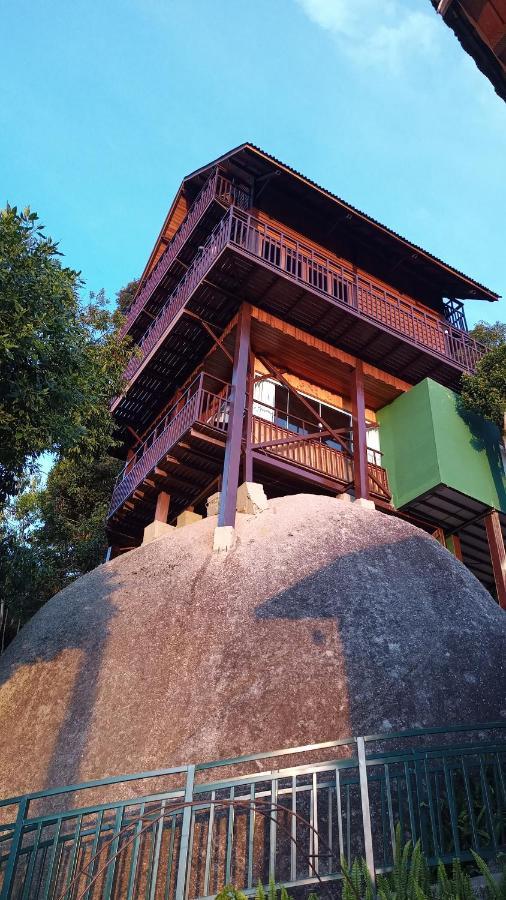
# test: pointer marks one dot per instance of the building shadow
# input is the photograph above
(422, 640)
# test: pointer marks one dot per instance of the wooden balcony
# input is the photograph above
(325, 464)
(217, 189)
(196, 426)
(198, 406)
(245, 259)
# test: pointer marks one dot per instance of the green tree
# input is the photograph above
(60, 363)
(485, 391)
(126, 294)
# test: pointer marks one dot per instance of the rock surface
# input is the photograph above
(324, 621)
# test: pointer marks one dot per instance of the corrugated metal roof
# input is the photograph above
(492, 295)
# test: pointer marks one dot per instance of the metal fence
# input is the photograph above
(292, 815)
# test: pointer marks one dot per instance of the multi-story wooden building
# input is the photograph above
(286, 338)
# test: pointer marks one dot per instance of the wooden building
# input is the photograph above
(480, 26)
(286, 338)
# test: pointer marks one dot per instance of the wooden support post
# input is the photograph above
(162, 507)
(248, 425)
(454, 546)
(497, 554)
(231, 466)
(360, 469)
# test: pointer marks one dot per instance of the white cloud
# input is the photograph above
(373, 33)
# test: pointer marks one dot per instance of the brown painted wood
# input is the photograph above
(497, 554)
(162, 507)
(359, 433)
(228, 497)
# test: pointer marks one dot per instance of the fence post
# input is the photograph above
(183, 861)
(366, 812)
(17, 837)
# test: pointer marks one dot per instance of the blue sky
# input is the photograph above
(106, 105)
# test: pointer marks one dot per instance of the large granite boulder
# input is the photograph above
(324, 621)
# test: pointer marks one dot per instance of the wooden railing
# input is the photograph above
(217, 187)
(322, 275)
(368, 299)
(197, 404)
(180, 295)
(316, 455)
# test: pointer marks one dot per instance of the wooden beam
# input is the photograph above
(217, 340)
(497, 554)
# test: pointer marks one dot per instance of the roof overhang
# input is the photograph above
(258, 166)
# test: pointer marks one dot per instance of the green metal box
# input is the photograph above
(429, 439)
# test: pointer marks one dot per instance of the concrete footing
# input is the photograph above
(224, 538)
(156, 530)
(344, 498)
(251, 498)
(188, 517)
(213, 504)
(362, 503)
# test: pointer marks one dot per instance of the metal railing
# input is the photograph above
(291, 814)
(320, 274)
(196, 404)
(218, 188)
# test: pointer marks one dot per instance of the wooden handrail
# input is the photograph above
(300, 263)
(217, 187)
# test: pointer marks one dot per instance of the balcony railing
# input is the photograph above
(291, 814)
(208, 407)
(217, 187)
(325, 276)
(180, 295)
(320, 274)
(315, 454)
(197, 404)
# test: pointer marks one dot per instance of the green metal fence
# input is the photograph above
(291, 814)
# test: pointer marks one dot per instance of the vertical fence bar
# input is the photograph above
(17, 837)
(366, 812)
(339, 815)
(156, 857)
(113, 847)
(273, 829)
(185, 834)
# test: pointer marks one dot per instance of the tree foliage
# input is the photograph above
(59, 361)
(485, 391)
(61, 364)
(126, 294)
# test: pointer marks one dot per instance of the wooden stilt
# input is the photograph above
(497, 554)
(360, 471)
(231, 466)
(162, 507)
(248, 457)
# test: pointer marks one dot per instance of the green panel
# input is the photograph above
(408, 445)
(429, 439)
